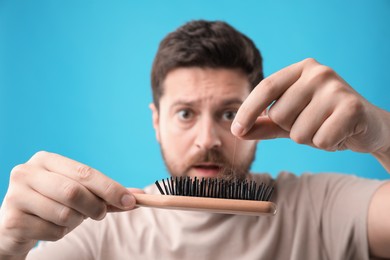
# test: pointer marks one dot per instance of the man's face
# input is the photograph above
(193, 122)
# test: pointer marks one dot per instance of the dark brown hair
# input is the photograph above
(205, 44)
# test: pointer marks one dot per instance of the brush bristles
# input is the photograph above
(215, 188)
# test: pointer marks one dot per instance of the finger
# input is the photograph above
(63, 190)
(105, 188)
(111, 208)
(262, 96)
(335, 130)
(285, 110)
(47, 209)
(29, 227)
(265, 128)
(136, 190)
(309, 121)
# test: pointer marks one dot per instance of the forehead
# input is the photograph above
(205, 84)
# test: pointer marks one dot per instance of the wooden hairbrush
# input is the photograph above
(212, 195)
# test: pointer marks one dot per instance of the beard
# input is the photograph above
(238, 170)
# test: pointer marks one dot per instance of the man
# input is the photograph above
(203, 81)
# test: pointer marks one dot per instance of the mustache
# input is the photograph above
(208, 156)
(228, 170)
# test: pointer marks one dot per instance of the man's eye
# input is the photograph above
(184, 114)
(229, 115)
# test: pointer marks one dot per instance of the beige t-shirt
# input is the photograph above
(320, 216)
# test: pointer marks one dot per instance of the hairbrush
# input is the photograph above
(216, 195)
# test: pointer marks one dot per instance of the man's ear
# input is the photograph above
(155, 118)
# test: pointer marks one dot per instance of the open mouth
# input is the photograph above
(207, 168)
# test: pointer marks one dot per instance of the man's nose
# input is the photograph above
(208, 135)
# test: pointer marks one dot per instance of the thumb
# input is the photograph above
(111, 208)
(264, 128)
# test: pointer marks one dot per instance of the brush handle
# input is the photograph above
(226, 206)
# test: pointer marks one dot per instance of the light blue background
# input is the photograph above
(75, 76)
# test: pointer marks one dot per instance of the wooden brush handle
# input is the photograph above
(227, 206)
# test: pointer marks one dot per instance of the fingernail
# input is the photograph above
(128, 201)
(237, 129)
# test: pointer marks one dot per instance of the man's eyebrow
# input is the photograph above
(226, 102)
(233, 101)
(183, 103)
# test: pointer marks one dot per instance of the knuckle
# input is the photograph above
(322, 143)
(110, 189)
(11, 198)
(57, 233)
(18, 171)
(38, 156)
(267, 83)
(335, 90)
(319, 74)
(299, 138)
(279, 118)
(72, 192)
(64, 216)
(18, 243)
(310, 61)
(275, 116)
(325, 71)
(18, 168)
(85, 172)
(12, 220)
(355, 105)
(268, 87)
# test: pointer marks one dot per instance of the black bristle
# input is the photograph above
(169, 186)
(248, 191)
(159, 188)
(189, 187)
(208, 191)
(175, 185)
(268, 197)
(219, 189)
(181, 185)
(215, 188)
(241, 190)
(165, 187)
(260, 191)
(235, 189)
(222, 192)
(211, 188)
(197, 190)
(254, 191)
(186, 190)
(202, 187)
(194, 188)
(264, 192)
